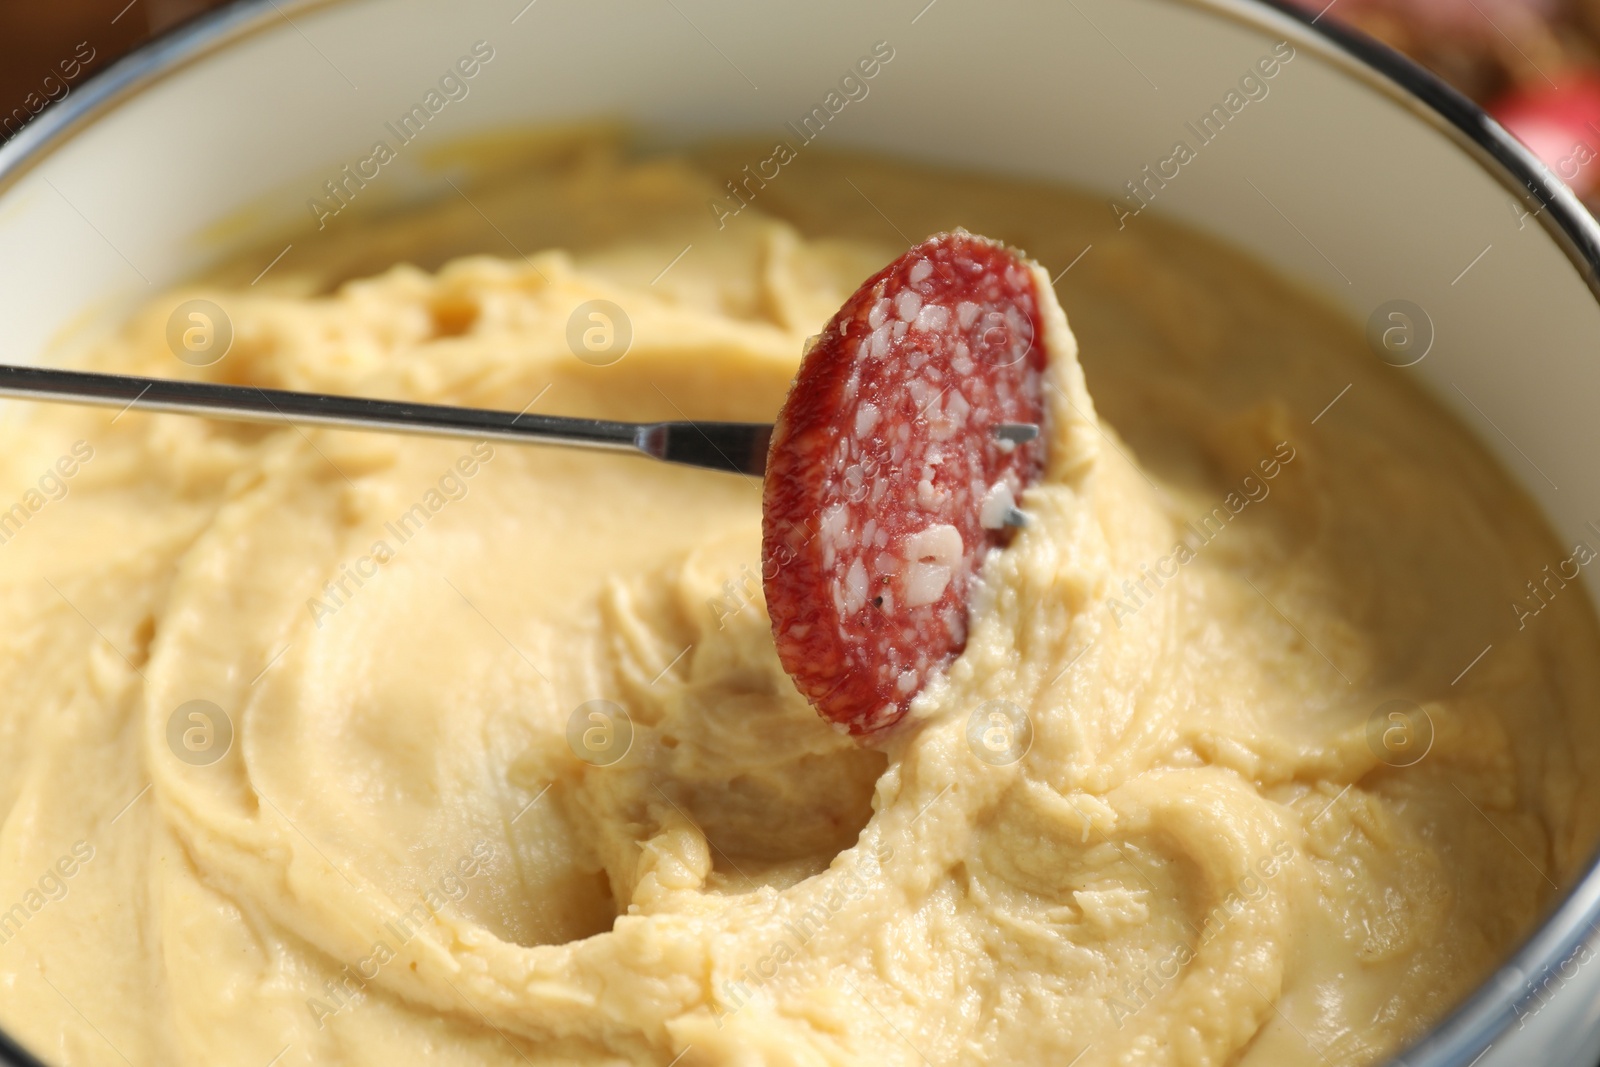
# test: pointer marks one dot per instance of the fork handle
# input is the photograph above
(250, 403)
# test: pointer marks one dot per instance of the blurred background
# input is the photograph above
(1534, 64)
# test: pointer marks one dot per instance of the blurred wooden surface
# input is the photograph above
(43, 44)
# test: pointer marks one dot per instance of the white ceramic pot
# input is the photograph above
(1349, 169)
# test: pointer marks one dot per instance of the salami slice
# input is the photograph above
(895, 467)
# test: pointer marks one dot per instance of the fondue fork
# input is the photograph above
(737, 447)
(734, 447)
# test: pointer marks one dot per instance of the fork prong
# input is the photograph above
(1017, 433)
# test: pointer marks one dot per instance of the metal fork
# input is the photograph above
(737, 447)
